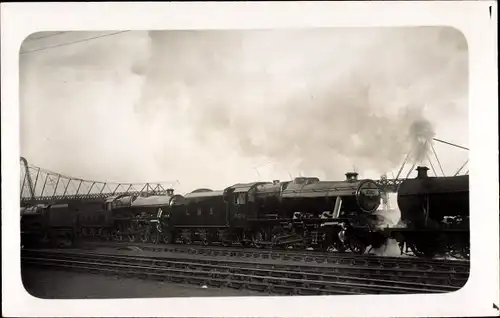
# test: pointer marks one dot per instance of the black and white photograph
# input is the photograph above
(302, 161)
(245, 162)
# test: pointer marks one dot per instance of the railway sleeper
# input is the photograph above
(280, 275)
(235, 285)
(310, 276)
(215, 283)
(195, 281)
(257, 287)
(335, 279)
(239, 278)
(200, 274)
(282, 290)
(308, 292)
(345, 271)
(252, 271)
(177, 278)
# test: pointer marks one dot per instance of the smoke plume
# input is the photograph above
(421, 133)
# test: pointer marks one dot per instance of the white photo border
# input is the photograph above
(470, 17)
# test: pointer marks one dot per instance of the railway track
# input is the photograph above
(315, 257)
(285, 279)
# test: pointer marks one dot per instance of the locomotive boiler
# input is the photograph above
(435, 211)
(333, 198)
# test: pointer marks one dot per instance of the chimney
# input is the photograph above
(275, 182)
(170, 191)
(422, 172)
(351, 176)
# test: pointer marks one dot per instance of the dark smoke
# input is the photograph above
(421, 133)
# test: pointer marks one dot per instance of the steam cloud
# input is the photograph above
(291, 108)
(139, 106)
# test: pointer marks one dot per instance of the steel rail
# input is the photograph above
(397, 277)
(303, 256)
(319, 282)
(203, 278)
(242, 273)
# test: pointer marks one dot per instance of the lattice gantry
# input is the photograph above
(39, 185)
(389, 185)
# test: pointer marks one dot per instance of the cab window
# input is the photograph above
(240, 198)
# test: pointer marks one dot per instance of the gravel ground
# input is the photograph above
(59, 284)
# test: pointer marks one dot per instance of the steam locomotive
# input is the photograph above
(435, 215)
(301, 213)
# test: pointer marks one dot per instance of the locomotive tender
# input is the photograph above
(301, 213)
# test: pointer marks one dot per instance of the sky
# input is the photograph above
(215, 108)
